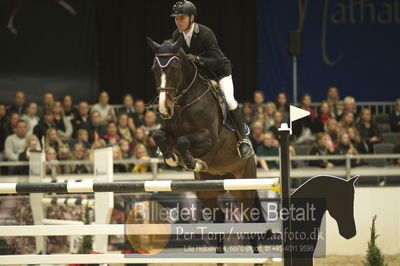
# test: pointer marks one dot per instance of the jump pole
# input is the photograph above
(284, 135)
(142, 186)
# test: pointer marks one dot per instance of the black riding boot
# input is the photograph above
(244, 144)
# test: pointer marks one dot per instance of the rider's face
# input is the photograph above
(182, 22)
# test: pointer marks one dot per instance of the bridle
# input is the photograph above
(175, 99)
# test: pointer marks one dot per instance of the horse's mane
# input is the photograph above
(313, 186)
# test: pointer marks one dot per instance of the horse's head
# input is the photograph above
(342, 208)
(339, 195)
(168, 74)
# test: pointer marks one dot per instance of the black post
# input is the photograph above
(284, 135)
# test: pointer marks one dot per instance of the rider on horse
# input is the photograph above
(202, 48)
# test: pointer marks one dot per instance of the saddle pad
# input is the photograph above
(220, 97)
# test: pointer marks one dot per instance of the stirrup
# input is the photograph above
(244, 141)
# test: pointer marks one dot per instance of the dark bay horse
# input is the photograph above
(192, 133)
(337, 195)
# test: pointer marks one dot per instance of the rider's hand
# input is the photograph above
(193, 58)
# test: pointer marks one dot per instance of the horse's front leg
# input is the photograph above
(160, 138)
(201, 141)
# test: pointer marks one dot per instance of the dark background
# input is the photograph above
(53, 50)
(369, 48)
(125, 59)
(104, 48)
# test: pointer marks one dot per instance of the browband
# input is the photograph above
(165, 56)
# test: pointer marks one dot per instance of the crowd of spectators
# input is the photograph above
(71, 131)
(335, 127)
(67, 130)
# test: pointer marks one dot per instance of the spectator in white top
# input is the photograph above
(31, 117)
(106, 111)
(270, 109)
(350, 106)
(15, 143)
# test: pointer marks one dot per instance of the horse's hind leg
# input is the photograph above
(160, 138)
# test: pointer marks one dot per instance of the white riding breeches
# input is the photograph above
(226, 84)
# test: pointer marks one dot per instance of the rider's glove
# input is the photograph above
(193, 58)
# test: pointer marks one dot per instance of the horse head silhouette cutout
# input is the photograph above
(332, 194)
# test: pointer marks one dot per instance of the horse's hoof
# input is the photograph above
(201, 166)
(173, 161)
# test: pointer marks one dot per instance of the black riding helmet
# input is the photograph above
(183, 7)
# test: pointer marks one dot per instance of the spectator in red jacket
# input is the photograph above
(324, 114)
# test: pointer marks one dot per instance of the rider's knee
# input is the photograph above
(232, 103)
(226, 84)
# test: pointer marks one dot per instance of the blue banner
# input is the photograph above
(351, 44)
